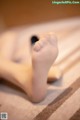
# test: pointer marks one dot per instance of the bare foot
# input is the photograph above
(54, 74)
(44, 54)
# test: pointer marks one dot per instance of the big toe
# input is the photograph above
(40, 44)
(45, 40)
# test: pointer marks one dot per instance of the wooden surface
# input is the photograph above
(63, 96)
(28, 12)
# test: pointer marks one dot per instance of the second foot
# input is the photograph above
(55, 73)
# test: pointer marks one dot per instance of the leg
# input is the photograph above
(11, 71)
(18, 74)
(15, 73)
(23, 53)
(8, 44)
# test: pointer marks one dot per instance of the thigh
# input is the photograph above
(7, 44)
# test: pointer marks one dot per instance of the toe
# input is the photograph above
(49, 38)
(38, 46)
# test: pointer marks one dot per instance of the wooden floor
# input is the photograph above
(63, 96)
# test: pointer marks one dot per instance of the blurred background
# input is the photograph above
(14, 13)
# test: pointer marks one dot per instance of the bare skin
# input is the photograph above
(32, 75)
